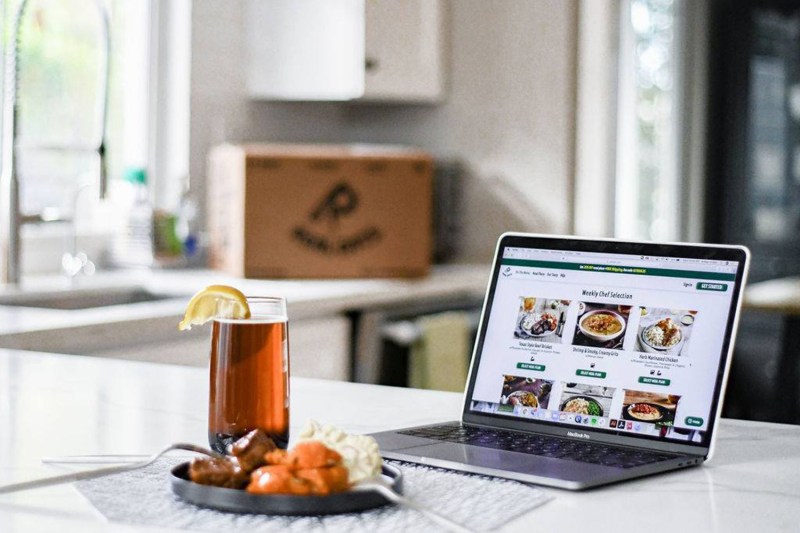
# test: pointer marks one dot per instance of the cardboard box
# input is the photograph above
(320, 211)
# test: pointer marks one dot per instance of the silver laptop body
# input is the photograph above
(619, 348)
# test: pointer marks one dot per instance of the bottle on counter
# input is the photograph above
(133, 243)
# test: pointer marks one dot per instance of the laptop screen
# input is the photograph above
(615, 337)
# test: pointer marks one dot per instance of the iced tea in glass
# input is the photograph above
(249, 375)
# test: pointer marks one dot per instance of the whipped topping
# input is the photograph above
(360, 453)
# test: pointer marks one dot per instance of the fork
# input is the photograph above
(100, 472)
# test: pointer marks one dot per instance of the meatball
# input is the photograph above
(277, 479)
(249, 450)
(217, 472)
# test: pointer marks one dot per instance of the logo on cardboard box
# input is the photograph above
(320, 234)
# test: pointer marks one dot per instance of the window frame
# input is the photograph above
(602, 136)
(166, 84)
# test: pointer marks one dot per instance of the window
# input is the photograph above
(773, 127)
(72, 67)
(63, 109)
(62, 68)
(648, 200)
(641, 119)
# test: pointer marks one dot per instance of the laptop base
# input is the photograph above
(552, 472)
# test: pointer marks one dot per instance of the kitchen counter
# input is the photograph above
(306, 298)
(776, 295)
(63, 405)
(320, 330)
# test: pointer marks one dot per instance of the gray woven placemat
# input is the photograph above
(482, 503)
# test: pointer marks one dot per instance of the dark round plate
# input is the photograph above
(588, 399)
(627, 416)
(241, 501)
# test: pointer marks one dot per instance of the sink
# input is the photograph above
(85, 298)
(134, 320)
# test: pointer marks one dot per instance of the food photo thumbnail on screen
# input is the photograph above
(583, 399)
(524, 392)
(665, 331)
(541, 319)
(601, 325)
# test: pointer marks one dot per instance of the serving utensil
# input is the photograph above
(100, 472)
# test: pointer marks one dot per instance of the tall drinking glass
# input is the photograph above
(249, 382)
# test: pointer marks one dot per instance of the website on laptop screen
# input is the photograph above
(624, 343)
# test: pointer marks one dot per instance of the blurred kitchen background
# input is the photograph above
(667, 120)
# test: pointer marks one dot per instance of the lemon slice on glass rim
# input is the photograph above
(214, 301)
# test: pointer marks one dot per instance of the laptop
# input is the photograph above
(596, 361)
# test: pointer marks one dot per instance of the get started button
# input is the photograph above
(706, 286)
(694, 421)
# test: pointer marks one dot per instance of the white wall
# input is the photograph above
(508, 115)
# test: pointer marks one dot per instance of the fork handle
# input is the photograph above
(126, 458)
(94, 459)
(100, 472)
(65, 478)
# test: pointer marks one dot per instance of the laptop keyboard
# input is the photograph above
(541, 445)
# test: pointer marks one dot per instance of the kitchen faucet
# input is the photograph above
(11, 217)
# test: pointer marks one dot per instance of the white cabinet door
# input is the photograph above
(305, 49)
(404, 50)
(331, 50)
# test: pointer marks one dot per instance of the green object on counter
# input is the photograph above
(166, 239)
(135, 175)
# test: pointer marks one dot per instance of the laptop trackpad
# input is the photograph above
(488, 458)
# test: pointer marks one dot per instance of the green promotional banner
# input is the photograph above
(621, 269)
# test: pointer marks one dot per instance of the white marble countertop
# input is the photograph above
(61, 405)
(306, 298)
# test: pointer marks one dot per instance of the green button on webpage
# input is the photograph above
(531, 366)
(654, 381)
(694, 421)
(706, 286)
(590, 373)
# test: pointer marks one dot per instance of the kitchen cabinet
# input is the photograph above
(309, 356)
(365, 50)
